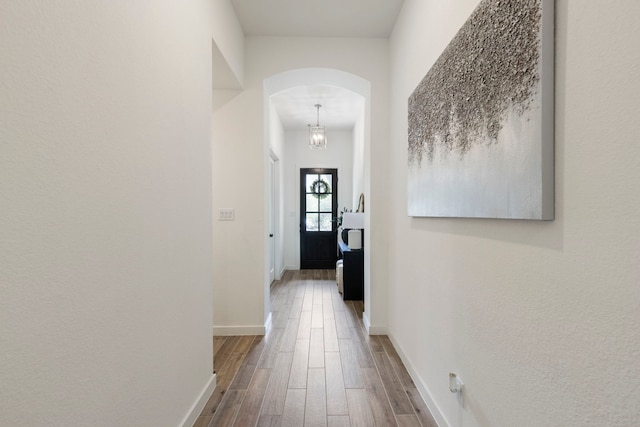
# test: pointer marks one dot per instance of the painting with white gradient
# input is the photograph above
(480, 136)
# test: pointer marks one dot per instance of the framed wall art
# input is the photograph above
(480, 123)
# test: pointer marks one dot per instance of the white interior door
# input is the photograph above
(272, 220)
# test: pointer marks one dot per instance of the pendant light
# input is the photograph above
(317, 134)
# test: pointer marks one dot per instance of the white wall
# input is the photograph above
(105, 164)
(239, 166)
(540, 319)
(228, 46)
(337, 155)
(238, 249)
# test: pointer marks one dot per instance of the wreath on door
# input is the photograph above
(319, 188)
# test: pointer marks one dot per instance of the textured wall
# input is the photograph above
(105, 217)
(540, 320)
(489, 67)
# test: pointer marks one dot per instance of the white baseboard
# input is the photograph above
(222, 331)
(367, 322)
(225, 331)
(378, 330)
(420, 385)
(197, 407)
(267, 323)
(373, 330)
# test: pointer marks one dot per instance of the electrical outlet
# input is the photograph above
(226, 214)
(456, 386)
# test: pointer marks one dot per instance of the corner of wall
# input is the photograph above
(192, 416)
(228, 38)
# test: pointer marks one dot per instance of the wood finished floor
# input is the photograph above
(315, 367)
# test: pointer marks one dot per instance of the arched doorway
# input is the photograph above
(314, 82)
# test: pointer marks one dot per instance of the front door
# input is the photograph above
(318, 213)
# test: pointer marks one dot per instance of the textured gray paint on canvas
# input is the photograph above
(478, 146)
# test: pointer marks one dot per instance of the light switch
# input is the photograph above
(226, 214)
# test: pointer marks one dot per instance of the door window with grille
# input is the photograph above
(319, 208)
(318, 212)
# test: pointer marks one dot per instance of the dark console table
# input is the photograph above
(352, 272)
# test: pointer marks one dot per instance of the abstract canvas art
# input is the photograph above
(480, 123)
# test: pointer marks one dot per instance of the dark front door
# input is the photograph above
(318, 212)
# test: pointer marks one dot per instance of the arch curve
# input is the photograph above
(317, 76)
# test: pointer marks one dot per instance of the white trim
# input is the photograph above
(267, 323)
(197, 407)
(378, 330)
(422, 388)
(373, 330)
(367, 322)
(222, 331)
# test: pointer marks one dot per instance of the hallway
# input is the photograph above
(316, 366)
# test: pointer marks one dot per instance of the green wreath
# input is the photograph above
(319, 188)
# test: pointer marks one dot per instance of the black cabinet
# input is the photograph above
(352, 272)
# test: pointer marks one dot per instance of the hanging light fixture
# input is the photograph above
(317, 134)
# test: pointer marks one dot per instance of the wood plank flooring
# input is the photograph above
(316, 367)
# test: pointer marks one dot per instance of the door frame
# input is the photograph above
(273, 275)
(302, 215)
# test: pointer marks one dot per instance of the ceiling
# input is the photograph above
(296, 107)
(318, 18)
